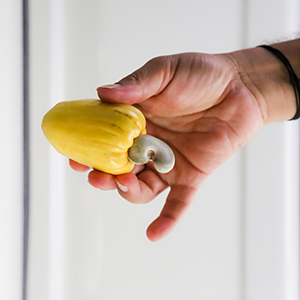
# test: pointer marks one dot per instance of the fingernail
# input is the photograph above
(109, 86)
(122, 187)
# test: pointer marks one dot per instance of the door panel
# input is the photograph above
(91, 244)
(11, 136)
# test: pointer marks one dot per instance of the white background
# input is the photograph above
(11, 150)
(239, 241)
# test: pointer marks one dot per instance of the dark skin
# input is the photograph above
(205, 107)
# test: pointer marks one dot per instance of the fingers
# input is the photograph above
(177, 203)
(142, 84)
(141, 188)
(102, 180)
(144, 188)
(105, 181)
(77, 166)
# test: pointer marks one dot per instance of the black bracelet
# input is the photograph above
(294, 80)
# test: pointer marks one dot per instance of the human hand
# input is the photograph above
(204, 106)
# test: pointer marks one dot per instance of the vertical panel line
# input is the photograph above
(245, 24)
(57, 163)
(292, 211)
(26, 146)
(243, 209)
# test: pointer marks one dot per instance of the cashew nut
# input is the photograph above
(146, 148)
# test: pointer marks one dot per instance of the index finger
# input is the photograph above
(177, 203)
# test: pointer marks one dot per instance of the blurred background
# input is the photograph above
(63, 239)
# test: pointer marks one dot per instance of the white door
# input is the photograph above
(239, 241)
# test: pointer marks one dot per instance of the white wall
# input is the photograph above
(11, 124)
(90, 244)
(272, 177)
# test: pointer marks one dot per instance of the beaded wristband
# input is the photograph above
(294, 80)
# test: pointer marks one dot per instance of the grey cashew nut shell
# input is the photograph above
(147, 148)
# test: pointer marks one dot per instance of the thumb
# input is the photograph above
(148, 81)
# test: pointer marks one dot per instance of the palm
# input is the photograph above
(205, 118)
(199, 106)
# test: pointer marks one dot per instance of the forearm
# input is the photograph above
(291, 50)
(268, 79)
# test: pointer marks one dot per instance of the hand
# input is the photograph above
(201, 107)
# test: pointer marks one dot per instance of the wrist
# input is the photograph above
(266, 77)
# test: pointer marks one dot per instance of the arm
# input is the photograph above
(205, 107)
(266, 76)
